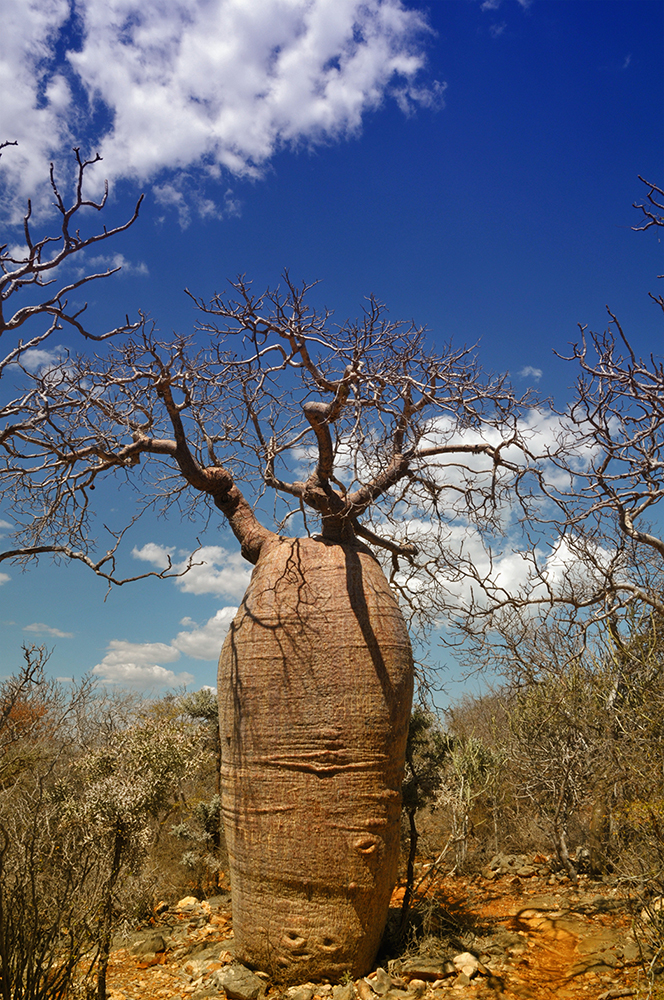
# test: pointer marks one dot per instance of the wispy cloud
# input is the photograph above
(529, 372)
(112, 261)
(496, 30)
(39, 358)
(39, 628)
(220, 85)
(627, 60)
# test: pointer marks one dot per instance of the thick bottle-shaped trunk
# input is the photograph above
(315, 690)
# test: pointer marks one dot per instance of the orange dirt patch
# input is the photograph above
(564, 944)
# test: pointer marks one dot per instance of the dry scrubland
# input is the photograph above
(528, 874)
(110, 808)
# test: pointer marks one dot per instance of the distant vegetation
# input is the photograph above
(106, 806)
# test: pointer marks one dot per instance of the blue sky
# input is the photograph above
(474, 166)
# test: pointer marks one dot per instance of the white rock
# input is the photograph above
(465, 962)
(188, 903)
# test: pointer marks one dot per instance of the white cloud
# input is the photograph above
(205, 643)
(111, 261)
(142, 676)
(496, 30)
(224, 573)
(38, 628)
(214, 84)
(4, 578)
(158, 555)
(37, 358)
(35, 98)
(139, 664)
(529, 372)
(142, 653)
(215, 569)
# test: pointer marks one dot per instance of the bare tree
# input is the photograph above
(571, 643)
(592, 547)
(273, 416)
(41, 271)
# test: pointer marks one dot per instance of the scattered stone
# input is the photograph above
(304, 992)
(239, 983)
(428, 969)
(516, 865)
(188, 905)
(343, 992)
(417, 987)
(364, 990)
(628, 991)
(380, 982)
(202, 952)
(152, 945)
(466, 964)
(629, 951)
(398, 982)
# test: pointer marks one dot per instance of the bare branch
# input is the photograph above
(358, 422)
(27, 432)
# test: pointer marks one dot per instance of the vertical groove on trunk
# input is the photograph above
(315, 690)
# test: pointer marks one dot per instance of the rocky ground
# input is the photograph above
(515, 931)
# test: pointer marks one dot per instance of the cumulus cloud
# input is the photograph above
(218, 85)
(143, 676)
(38, 628)
(220, 572)
(159, 555)
(204, 642)
(4, 578)
(215, 570)
(140, 664)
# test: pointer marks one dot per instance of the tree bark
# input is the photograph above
(315, 691)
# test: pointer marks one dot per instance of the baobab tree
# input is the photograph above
(328, 450)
